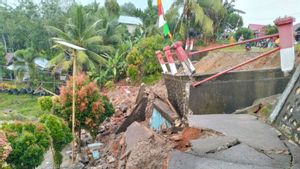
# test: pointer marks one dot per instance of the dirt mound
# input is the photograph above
(219, 61)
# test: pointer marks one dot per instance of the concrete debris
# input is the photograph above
(165, 110)
(111, 159)
(86, 138)
(135, 133)
(158, 122)
(138, 114)
(141, 94)
(123, 107)
(148, 154)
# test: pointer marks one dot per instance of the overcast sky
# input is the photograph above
(257, 11)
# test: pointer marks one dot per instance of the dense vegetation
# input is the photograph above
(109, 46)
(30, 30)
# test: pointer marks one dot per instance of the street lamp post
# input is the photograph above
(74, 54)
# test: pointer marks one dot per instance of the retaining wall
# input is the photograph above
(225, 94)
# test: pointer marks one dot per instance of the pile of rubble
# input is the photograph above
(141, 134)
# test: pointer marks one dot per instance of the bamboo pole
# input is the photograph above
(73, 106)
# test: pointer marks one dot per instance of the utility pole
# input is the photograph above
(75, 49)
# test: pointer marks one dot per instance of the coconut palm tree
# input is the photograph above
(23, 64)
(196, 14)
(79, 30)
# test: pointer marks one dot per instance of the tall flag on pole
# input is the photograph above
(161, 20)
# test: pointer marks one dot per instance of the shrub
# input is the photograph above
(141, 59)
(29, 142)
(247, 33)
(89, 104)
(5, 150)
(45, 103)
(60, 133)
(133, 72)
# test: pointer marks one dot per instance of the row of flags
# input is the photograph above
(161, 21)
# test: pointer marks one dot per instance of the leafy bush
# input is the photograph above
(133, 72)
(29, 142)
(89, 104)
(60, 133)
(247, 33)
(45, 103)
(141, 59)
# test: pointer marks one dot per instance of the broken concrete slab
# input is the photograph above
(138, 114)
(165, 110)
(135, 133)
(212, 144)
(180, 160)
(246, 128)
(243, 154)
(141, 94)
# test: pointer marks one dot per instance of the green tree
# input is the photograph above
(128, 8)
(25, 63)
(270, 29)
(247, 33)
(194, 15)
(79, 32)
(112, 7)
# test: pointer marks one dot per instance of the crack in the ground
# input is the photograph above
(290, 153)
(224, 147)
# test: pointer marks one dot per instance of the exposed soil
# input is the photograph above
(221, 60)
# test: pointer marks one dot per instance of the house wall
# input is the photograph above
(131, 28)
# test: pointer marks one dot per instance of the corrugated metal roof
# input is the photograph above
(41, 62)
(130, 20)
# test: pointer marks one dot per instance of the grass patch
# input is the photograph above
(23, 107)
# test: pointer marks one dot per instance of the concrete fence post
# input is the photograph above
(183, 57)
(170, 59)
(187, 43)
(161, 61)
(286, 42)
